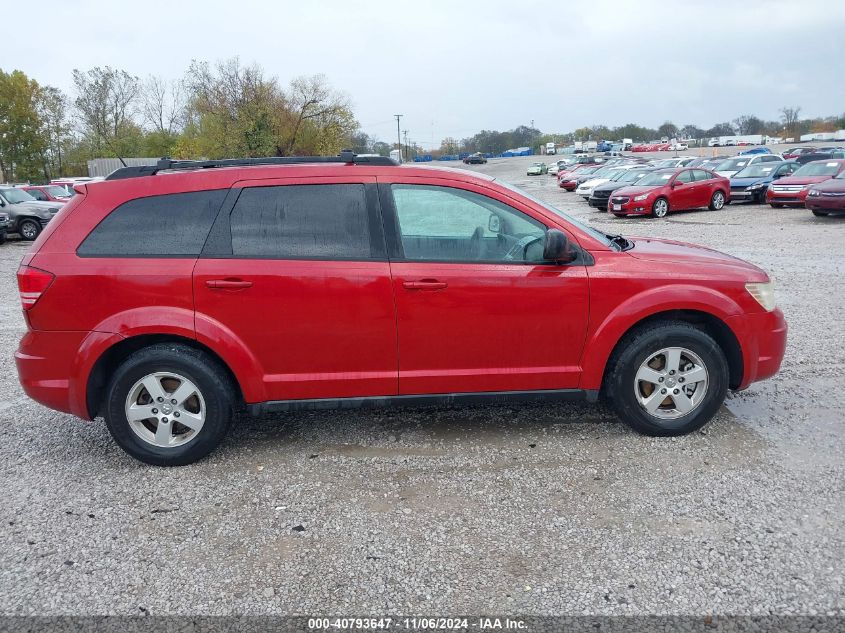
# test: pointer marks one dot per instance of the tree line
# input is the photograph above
(790, 124)
(219, 110)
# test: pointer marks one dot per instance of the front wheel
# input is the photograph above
(775, 206)
(660, 208)
(819, 213)
(717, 201)
(668, 379)
(169, 404)
(29, 229)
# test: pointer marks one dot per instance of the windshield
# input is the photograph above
(632, 175)
(659, 178)
(818, 168)
(57, 192)
(604, 172)
(760, 170)
(14, 196)
(733, 164)
(581, 225)
(666, 162)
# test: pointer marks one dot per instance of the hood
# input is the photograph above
(636, 191)
(747, 182)
(833, 185)
(670, 251)
(802, 180)
(594, 182)
(33, 205)
(728, 173)
(610, 186)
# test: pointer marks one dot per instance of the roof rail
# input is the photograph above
(166, 164)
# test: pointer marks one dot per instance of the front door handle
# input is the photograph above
(424, 284)
(228, 284)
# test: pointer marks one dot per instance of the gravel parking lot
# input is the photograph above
(504, 510)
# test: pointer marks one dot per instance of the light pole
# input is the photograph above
(399, 136)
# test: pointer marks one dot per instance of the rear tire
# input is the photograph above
(717, 201)
(29, 230)
(652, 353)
(168, 437)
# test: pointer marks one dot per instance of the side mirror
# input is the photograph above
(494, 224)
(556, 248)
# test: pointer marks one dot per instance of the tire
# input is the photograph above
(717, 201)
(171, 366)
(626, 388)
(775, 206)
(660, 208)
(819, 213)
(3, 236)
(29, 230)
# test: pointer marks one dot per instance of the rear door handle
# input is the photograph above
(228, 284)
(425, 284)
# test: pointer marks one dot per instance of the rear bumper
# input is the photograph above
(53, 367)
(762, 336)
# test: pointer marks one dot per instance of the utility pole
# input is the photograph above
(407, 147)
(398, 136)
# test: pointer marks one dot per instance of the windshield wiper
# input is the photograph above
(623, 243)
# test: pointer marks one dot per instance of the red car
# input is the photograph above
(668, 190)
(795, 152)
(48, 193)
(165, 303)
(828, 196)
(792, 190)
(570, 181)
(572, 169)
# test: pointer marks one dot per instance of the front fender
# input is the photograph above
(602, 338)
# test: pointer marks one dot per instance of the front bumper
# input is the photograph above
(640, 207)
(743, 195)
(599, 203)
(795, 198)
(826, 202)
(762, 336)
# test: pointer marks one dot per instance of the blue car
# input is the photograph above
(751, 184)
(757, 150)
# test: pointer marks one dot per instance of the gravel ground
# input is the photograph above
(505, 510)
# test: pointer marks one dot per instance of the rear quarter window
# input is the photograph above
(170, 225)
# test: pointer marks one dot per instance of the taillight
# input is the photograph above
(32, 282)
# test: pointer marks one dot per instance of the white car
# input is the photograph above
(585, 189)
(667, 163)
(731, 166)
(678, 147)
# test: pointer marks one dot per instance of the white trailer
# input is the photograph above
(550, 148)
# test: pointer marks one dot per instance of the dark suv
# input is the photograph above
(167, 297)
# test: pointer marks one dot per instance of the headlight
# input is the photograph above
(814, 192)
(764, 293)
(640, 198)
(759, 185)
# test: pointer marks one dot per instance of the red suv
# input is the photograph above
(667, 190)
(166, 301)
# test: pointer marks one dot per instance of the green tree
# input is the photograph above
(22, 144)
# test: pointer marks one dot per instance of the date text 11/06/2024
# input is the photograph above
(417, 623)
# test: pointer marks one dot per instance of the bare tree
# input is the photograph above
(106, 101)
(311, 99)
(52, 112)
(163, 104)
(789, 116)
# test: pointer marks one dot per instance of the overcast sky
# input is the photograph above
(456, 67)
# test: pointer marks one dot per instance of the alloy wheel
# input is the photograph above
(718, 200)
(661, 207)
(165, 409)
(671, 383)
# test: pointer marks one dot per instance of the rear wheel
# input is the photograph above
(660, 208)
(29, 229)
(169, 404)
(668, 379)
(819, 213)
(717, 201)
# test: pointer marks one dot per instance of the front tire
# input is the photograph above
(819, 213)
(29, 230)
(169, 404)
(717, 201)
(660, 208)
(667, 379)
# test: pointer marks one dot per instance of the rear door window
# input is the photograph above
(171, 225)
(329, 222)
